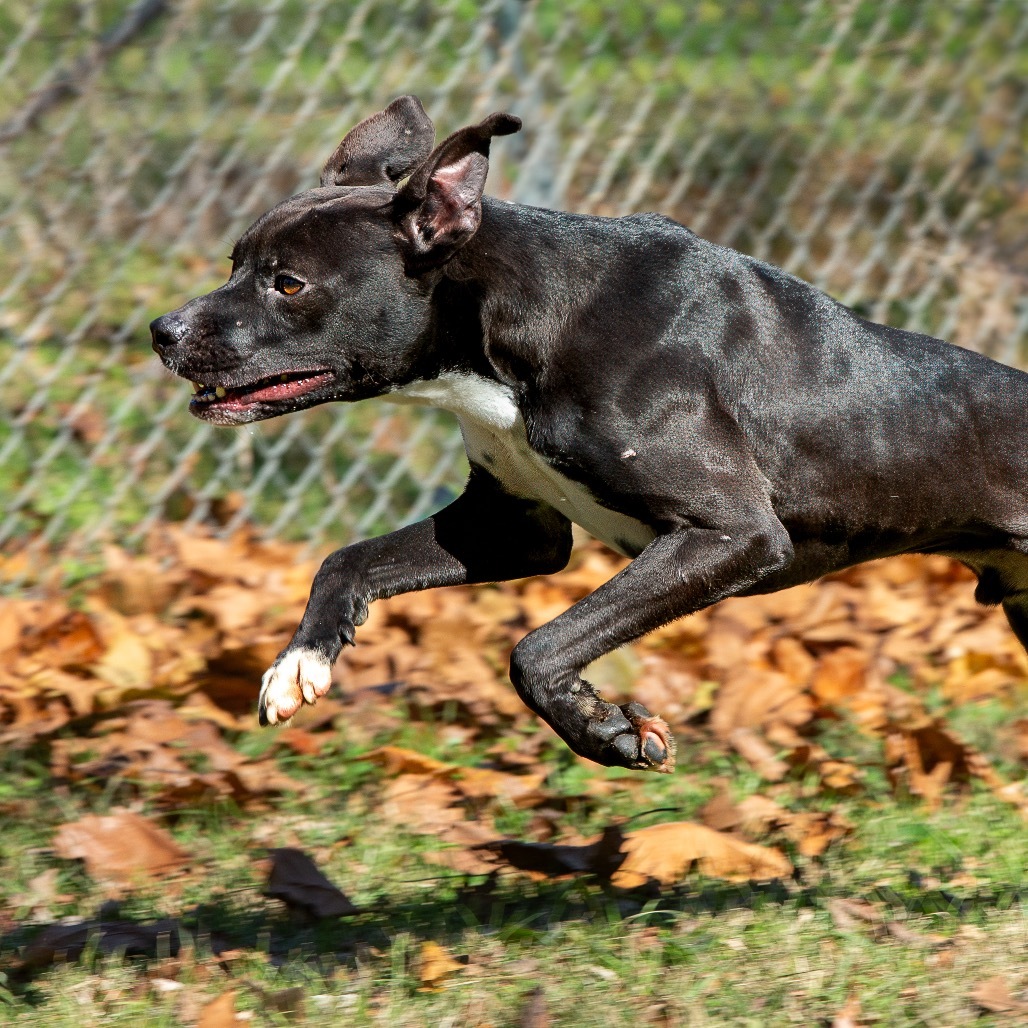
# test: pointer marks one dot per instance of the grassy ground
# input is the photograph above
(706, 952)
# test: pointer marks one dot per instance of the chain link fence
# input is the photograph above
(874, 147)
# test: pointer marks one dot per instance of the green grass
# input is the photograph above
(705, 952)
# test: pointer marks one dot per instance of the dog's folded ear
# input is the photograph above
(440, 206)
(383, 148)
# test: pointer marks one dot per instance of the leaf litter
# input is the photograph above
(148, 676)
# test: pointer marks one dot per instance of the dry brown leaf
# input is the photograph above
(42, 891)
(722, 814)
(839, 675)
(665, 853)
(927, 757)
(758, 753)
(475, 783)
(811, 831)
(1019, 731)
(435, 966)
(198, 706)
(925, 940)
(300, 741)
(397, 760)
(995, 996)
(814, 831)
(849, 1016)
(137, 584)
(288, 1002)
(756, 698)
(793, 659)
(421, 803)
(220, 1012)
(296, 880)
(518, 790)
(469, 852)
(850, 913)
(122, 847)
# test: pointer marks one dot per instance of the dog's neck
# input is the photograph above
(525, 269)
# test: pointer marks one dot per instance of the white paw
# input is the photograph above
(296, 678)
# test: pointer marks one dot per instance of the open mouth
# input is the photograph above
(209, 401)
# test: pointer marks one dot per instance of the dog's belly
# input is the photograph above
(495, 438)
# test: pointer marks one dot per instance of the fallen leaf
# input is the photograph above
(849, 913)
(41, 893)
(220, 1012)
(994, 995)
(300, 741)
(435, 966)
(839, 675)
(397, 760)
(288, 1002)
(122, 847)
(665, 853)
(296, 880)
(849, 1016)
(927, 757)
(419, 803)
(924, 940)
(755, 698)
(758, 753)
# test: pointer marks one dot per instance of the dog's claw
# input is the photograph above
(653, 750)
(297, 677)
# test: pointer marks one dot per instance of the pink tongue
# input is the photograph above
(279, 391)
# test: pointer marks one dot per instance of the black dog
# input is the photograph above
(731, 428)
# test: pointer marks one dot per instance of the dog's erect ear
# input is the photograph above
(440, 207)
(382, 148)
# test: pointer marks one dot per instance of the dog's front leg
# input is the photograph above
(485, 535)
(676, 574)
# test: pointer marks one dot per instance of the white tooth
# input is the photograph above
(219, 392)
(196, 386)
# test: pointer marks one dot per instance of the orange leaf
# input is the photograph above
(220, 1012)
(664, 854)
(397, 760)
(120, 847)
(435, 966)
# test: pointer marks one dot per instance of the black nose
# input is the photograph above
(167, 331)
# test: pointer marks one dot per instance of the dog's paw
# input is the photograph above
(297, 677)
(619, 736)
(656, 744)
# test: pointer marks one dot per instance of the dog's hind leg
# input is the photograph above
(676, 574)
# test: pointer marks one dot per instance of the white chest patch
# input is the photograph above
(495, 438)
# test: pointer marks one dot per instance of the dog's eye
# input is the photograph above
(288, 285)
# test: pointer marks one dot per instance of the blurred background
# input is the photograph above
(875, 148)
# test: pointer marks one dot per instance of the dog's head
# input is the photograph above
(330, 292)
